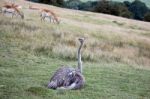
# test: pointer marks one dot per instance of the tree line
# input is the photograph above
(133, 10)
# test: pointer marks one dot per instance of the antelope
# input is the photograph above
(13, 10)
(45, 13)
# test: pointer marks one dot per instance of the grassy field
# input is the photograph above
(116, 56)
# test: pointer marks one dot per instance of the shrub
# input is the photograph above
(114, 8)
(147, 17)
(103, 7)
(73, 4)
(54, 2)
(138, 9)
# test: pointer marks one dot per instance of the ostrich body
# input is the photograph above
(68, 77)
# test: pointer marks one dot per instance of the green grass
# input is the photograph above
(87, 18)
(24, 75)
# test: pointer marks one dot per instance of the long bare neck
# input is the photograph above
(79, 58)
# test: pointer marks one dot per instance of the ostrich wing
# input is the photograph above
(79, 81)
(75, 82)
(59, 77)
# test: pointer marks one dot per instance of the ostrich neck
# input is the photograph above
(79, 58)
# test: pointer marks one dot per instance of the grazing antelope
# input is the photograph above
(13, 10)
(45, 13)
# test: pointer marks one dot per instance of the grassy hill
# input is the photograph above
(116, 56)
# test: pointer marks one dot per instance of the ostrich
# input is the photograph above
(68, 77)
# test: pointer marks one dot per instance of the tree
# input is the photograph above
(88, 6)
(73, 4)
(114, 8)
(53, 2)
(103, 6)
(147, 17)
(127, 3)
(60, 2)
(138, 9)
(122, 10)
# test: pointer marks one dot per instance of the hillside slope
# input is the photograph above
(108, 37)
(116, 56)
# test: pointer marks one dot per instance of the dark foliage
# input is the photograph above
(88, 6)
(53, 2)
(127, 3)
(139, 9)
(136, 9)
(147, 16)
(113, 8)
(103, 6)
(73, 4)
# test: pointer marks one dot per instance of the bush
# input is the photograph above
(88, 6)
(147, 17)
(53, 2)
(127, 3)
(114, 8)
(73, 4)
(119, 9)
(103, 6)
(138, 9)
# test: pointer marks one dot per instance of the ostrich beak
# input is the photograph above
(81, 40)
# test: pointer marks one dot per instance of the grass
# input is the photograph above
(24, 75)
(87, 18)
(116, 56)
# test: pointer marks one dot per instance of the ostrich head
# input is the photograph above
(81, 40)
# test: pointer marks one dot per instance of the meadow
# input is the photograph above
(115, 55)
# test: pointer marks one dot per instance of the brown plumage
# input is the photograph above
(59, 77)
(74, 81)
